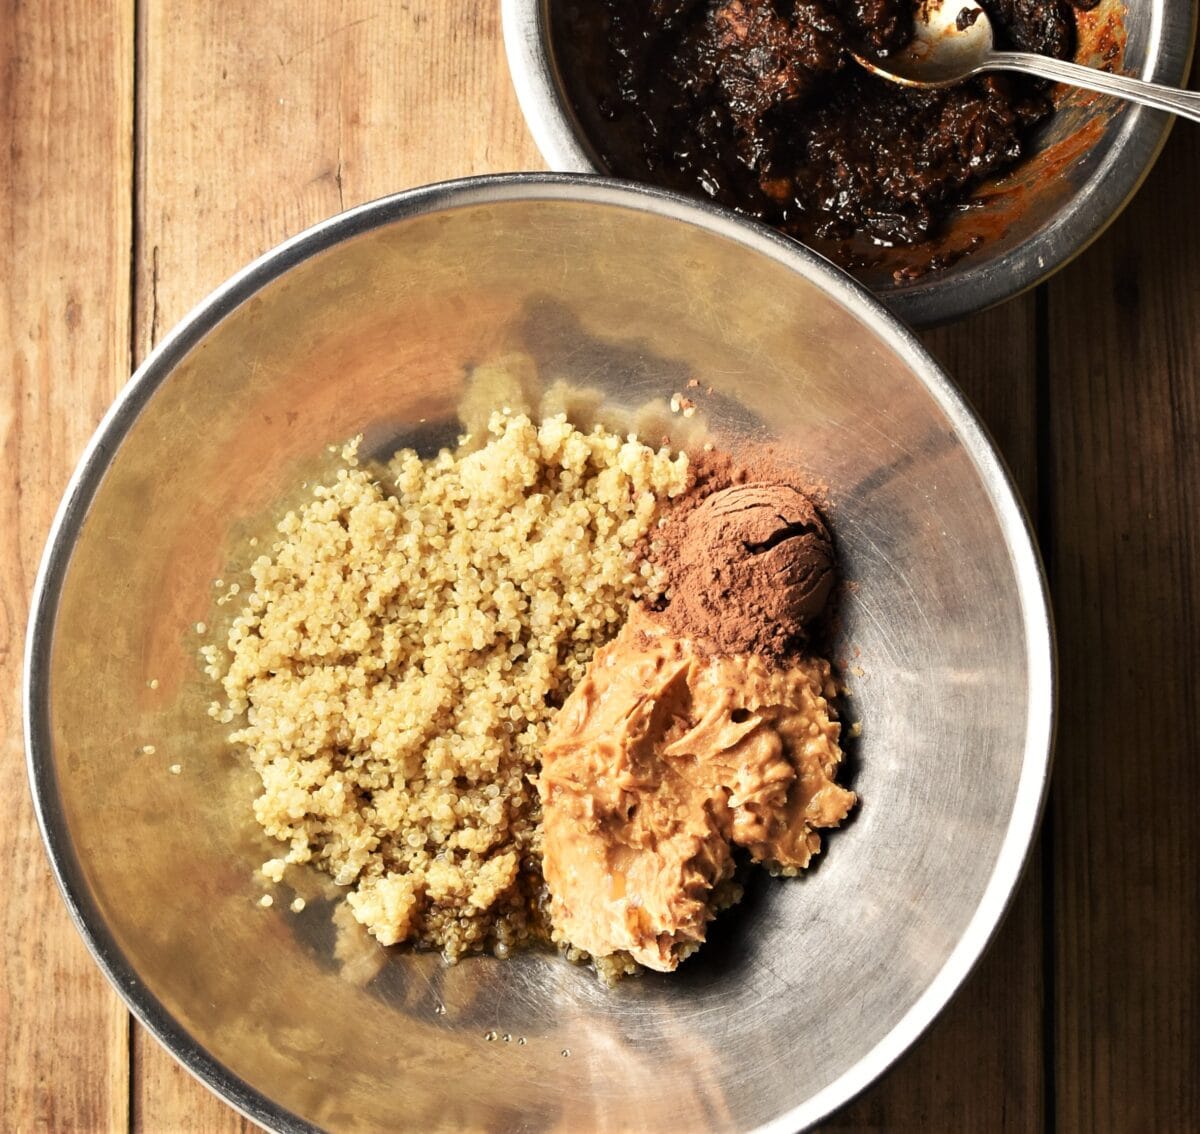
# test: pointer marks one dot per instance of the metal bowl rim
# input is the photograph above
(933, 299)
(495, 189)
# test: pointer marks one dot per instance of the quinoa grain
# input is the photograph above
(395, 666)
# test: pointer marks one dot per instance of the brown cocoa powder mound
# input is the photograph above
(747, 558)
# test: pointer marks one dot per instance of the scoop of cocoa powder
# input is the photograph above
(748, 568)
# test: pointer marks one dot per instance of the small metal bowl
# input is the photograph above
(1085, 165)
(367, 324)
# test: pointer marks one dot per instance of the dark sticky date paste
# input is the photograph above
(755, 104)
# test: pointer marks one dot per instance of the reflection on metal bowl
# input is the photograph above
(366, 324)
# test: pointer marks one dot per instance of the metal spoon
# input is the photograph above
(952, 40)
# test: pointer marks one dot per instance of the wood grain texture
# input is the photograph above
(257, 120)
(165, 1098)
(1125, 568)
(66, 89)
(981, 1065)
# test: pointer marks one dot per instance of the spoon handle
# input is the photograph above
(1184, 103)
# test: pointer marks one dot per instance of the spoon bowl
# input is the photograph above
(949, 40)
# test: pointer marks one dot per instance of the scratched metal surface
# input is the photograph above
(818, 984)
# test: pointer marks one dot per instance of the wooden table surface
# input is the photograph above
(155, 147)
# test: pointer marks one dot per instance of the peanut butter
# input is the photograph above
(663, 758)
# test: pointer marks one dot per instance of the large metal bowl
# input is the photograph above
(364, 324)
(1084, 165)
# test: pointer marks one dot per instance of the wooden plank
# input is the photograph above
(166, 1098)
(66, 74)
(981, 1065)
(257, 119)
(1125, 442)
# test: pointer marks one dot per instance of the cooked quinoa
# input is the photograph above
(393, 670)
